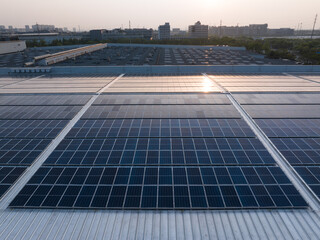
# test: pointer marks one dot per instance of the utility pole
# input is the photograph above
(314, 25)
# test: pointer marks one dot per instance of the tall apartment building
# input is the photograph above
(41, 27)
(198, 30)
(164, 31)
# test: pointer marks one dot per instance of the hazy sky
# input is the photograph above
(109, 14)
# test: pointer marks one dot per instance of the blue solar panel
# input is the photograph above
(38, 112)
(149, 153)
(159, 187)
(311, 175)
(290, 127)
(161, 128)
(163, 98)
(160, 151)
(43, 100)
(299, 151)
(21, 151)
(160, 111)
(31, 128)
(8, 175)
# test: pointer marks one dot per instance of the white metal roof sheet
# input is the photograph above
(88, 224)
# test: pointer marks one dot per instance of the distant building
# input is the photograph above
(47, 37)
(230, 31)
(138, 33)
(175, 31)
(42, 28)
(74, 29)
(27, 28)
(103, 34)
(258, 29)
(97, 34)
(65, 29)
(164, 31)
(281, 32)
(198, 30)
(253, 30)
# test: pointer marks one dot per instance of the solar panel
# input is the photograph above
(44, 100)
(164, 151)
(21, 151)
(31, 128)
(283, 111)
(159, 187)
(278, 98)
(290, 127)
(8, 175)
(299, 151)
(128, 99)
(311, 175)
(38, 112)
(161, 111)
(161, 128)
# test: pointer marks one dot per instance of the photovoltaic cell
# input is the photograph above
(8, 175)
(311, 175)
(21, 151)
(283, 111)
(43, 100)
(31, 128)
(299, 151)
(38, 112)
(161, 111)
(290, 127)
(278, 98)
(159, 187)
(152, 99)
(160, 151)
(160, 128)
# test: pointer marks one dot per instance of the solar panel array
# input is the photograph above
(29, 122)
(292, 121)
(177, 146)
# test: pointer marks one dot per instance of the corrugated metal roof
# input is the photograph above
(86, 224)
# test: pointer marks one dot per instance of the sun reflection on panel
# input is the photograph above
(206, 85)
